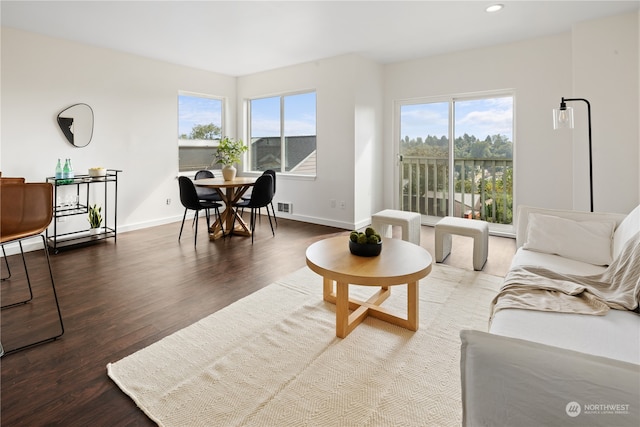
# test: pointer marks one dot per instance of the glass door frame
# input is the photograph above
(495, 228)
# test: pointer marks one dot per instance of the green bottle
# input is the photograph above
(71, 174)
(58, 170)
(65, 171)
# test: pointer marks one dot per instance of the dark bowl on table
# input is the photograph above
(365, 249)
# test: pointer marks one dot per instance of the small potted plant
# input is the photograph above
(229, 153)
(367, 243)
(95, 219)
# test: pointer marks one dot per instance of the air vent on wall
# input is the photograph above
(285, 207)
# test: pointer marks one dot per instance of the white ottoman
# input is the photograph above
(479, 230)
(409, 221)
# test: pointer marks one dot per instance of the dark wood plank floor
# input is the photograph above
(117, 298)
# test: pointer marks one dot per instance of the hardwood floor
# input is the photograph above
(117, 298)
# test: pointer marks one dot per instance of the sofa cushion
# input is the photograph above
(615, 335)
(586, 241)
(513, 382)
(627, 229)
(524, 258)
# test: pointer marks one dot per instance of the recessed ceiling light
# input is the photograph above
(494, 8)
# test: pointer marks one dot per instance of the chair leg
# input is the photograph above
(253, 223)
(6, 262)
(55, 296)
(270, 223)
(182, 226)
(195, 235)
(274, 213)
(26, 272)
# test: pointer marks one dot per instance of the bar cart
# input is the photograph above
(77, 201)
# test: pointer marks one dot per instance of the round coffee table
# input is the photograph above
(399, 263)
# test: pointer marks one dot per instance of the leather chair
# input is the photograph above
(4, 254)
(26, 210)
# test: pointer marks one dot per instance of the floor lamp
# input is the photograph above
(563, 119)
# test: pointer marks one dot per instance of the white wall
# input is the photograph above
(598, 60)
(530, 68)
(606, 72)
(135, 107)
(348, 95)
(369, 161)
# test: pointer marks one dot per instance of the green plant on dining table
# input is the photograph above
(229, 151)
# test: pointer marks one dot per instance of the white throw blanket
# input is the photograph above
(536, 288)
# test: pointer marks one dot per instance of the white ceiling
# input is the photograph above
(244, 37)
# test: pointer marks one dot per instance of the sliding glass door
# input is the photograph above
(456, 158)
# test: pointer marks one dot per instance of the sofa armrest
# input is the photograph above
(513, 382)
(522, 218)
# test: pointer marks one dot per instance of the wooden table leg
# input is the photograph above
(342, 309)
(412, 306)
(230, 213)
(328, 293)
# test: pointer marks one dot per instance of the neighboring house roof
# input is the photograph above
(266, 153)
(307, 166)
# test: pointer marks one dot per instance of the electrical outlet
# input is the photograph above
(342, 204)
(332, 203)
(168, 201)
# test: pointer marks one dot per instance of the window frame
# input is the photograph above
(452, 99)
(199, 143)
(283, 144)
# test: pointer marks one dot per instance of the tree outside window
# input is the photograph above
(199, 131)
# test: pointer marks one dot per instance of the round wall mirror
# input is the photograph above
(76, 123)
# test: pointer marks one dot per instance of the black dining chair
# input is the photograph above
(261, 197)
(191, 201)
(208, 194)
(273, 211)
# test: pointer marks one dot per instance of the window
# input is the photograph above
(283, 127)
(457, 157)
(199, 131)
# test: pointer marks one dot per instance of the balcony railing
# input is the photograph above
(482, 187)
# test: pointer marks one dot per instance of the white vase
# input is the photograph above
(229, 172)
(94, 231)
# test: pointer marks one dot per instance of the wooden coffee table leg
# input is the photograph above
(328, 293)
(342, 309)
(412, 306)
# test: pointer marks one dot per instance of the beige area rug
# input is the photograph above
(272, 359)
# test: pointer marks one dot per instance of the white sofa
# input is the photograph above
(550, 368)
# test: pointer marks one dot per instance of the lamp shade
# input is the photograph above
(563, 118)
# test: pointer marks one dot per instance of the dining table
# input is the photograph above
(230, 192)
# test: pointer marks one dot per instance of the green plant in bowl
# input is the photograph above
(367, 243)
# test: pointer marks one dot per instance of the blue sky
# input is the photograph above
(300, 114)
(479, 117)
(194, 110)
(299, 110)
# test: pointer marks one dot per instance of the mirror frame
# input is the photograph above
(65, 121)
